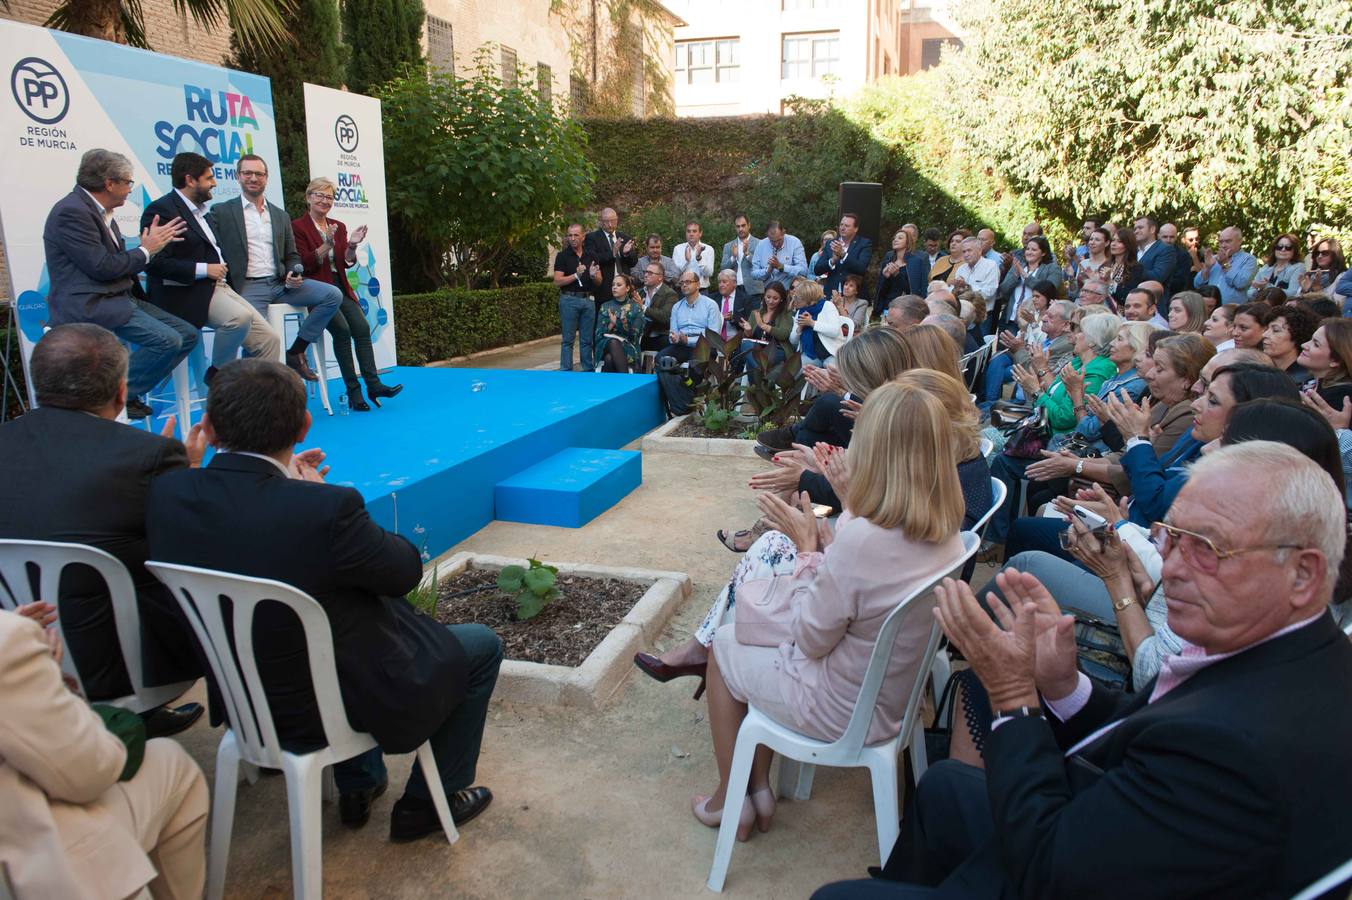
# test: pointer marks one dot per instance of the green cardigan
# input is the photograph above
(1057, 403)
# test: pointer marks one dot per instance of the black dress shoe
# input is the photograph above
(165, 722)
(378, 390)
(765, 452)
(412, 819)
(777, 438)
(354, 808)
(298, 364)
(136, 409)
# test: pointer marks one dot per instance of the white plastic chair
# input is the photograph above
(277, 313)
(943, 666)
(986, 445)
(801, 754)
(252, 735)
(1339, 877)
(50, 559)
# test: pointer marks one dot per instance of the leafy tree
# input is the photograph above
(1222, 113)
(259, 23)
(478, 169)
(385, 40)
(315, 24)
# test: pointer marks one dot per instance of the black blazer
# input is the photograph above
(1234, 784)
(171, 276)
(595, 243)
(70, 476)
(1181, 278)
(400, 673)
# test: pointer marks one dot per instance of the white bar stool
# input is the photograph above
(277, 314)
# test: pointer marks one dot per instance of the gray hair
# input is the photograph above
(78, 366)
(98, 166)
(727, 273)
(971, 240)
(951, 325)
(1303, 506)
(1100, 330)
(1064, 308)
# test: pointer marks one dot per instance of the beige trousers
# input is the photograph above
(165, 806)
(238, 324)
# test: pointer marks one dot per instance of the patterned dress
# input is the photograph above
(623, 320)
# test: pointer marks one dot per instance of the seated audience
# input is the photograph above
(1187, 313)
(657, 299)
(851, 303)
(732, 310)
(1326, 357)
(1046, 342)
(1250, 325)
(1325, 269)
(946, 267)
(976, 272)
(404, 678)
(931, 347)
(93, 275)
(1095, 293)
(906, 312)
(955, 329)
(903, 271)
(1282, 268)
(772, 322)
(74, 474)
(619, 327)
(1211, 295)
(903, 504)
(1219, 328)
(691, 316)
(819, 330)
(327, 251)
(1248, 565)
(88, 812)
(828, 236)
(1288, 330)
(1140, 306)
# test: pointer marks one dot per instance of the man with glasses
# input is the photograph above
(1228, 268)
(188, 277)
(263, 266)
(1222, 777)
(658, 299)
(93, 275)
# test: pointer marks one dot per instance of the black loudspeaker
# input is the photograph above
(864, 199)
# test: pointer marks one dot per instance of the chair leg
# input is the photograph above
(919, 756)
(329, 790)
(304, 806)
(434, 787)
(182, 399)
(222, 814)
(795, 779)
(883, 768)
(738, 778)
(939, 675)
(322, 370)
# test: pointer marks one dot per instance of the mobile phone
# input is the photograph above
(1092, 520)
(821, 510)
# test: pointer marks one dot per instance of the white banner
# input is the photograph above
(347, 145)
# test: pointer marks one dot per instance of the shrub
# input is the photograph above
(456, 322)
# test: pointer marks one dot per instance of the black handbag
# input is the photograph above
(1029, 438)
(1101, 652)
(1006, 414)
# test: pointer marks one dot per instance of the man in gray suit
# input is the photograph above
(93, 275)
(262, 264)
(737, 256)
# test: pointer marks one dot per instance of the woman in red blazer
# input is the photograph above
(327, 251)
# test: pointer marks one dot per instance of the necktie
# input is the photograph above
(610, 239)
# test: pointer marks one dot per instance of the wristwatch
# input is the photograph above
(1019, 712)
(1079, 467)
(1123, 603)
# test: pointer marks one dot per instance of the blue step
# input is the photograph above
(568, 489)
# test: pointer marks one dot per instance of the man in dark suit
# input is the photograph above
(1222, 778)
(188, 277)
(1181, 279)
(73, 474)
(849, 255)
(609, 246)
(259, 248)
(1157, 258)
(404, 678)
(658, 299)
(93, 275)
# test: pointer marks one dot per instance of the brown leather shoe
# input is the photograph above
(298, 364)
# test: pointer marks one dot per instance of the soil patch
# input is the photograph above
(694, 428)
(563, 634)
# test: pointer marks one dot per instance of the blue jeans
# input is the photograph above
(323, 301)
(455, 744)
(577, 313)
(998, 373)
(162, 341)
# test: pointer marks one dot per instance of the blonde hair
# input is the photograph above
(320, 182)
(1138, 335)
(873, 358)
(806, 294)
(962, 413)
(930, 347)
(903, 465)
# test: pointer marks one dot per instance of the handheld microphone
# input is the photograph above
(298, 270)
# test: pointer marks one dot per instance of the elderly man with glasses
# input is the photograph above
(1222, 777)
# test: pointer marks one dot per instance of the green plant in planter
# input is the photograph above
(718, 389)
(424, 597)
(775, 393)
(530, 588)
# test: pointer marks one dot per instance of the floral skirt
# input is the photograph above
(772, 554)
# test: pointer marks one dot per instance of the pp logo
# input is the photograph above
(39, 90)
(345, 131)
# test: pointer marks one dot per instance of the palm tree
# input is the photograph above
(259, 23)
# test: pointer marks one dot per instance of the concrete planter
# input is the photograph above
(591, 684)
(659, 440)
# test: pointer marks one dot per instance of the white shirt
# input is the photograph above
(1140, 252)
(701, 264)
(108, 223)
(258, 234)
(199, 212)
(984, 277)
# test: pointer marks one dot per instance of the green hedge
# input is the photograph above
(443, 324)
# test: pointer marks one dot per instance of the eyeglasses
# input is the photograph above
(127, 181)
(1198, 550)
(1286, 246)
(320, 195)
(251, 174)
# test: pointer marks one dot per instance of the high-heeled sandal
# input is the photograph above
(700, 807)
(741, 541)
(763, 801)
(657, 670)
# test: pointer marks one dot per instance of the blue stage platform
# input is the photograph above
(428, 460)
